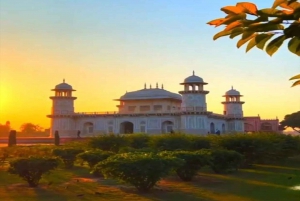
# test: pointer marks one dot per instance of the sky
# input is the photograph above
(104, 48)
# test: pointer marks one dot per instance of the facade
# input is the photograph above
(153, 111)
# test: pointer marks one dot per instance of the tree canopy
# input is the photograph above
(265, 29)
(291, 120)
(30, 128)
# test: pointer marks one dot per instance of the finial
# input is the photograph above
(150, 86)
(64, 80)
(231, 87)
(156, 85)
(145, 86)
(193, 72)
(162, 86)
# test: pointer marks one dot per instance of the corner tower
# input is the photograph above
(62, 101)
(233, 110)
(194, 95)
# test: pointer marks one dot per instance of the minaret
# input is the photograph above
(233, 110)
(62, 105)
(194, 95)
(63, 101)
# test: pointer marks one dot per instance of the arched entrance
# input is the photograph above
(126, 127)
(88, 128)
(212, 128)
(167, 127)
(223, 129)
(248, 127)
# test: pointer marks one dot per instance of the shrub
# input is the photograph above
(130, 149)
(109, 142)
(193, 162)
(170, 142)
(224, 161)
(138, 141)
(95, 156)
(142, 170)
(68, 156)
(199, 142)
(31, 169)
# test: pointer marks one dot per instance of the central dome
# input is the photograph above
(150, 94)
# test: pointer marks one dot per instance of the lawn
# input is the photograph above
(261, 183)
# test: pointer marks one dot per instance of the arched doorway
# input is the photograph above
(212, 128)
(223, 129)
(88, 128)
(167, 127)
(126, 127)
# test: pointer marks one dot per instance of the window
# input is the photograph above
(131, 108)
(143, 127)
(157, 107)
(169, 108)
(110, 129)
(144, 108)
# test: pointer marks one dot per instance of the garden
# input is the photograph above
(235, 167)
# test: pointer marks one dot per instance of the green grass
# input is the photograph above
(262, 183)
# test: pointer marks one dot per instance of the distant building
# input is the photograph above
(255, 124)
(153, 111)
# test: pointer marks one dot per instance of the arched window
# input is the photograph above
(266, 126)
(143, 127)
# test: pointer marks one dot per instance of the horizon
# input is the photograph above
(104, 49)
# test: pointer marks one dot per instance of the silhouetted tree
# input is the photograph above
(30, 128)
(291, 120)
(5, 128)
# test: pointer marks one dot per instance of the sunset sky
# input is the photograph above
(104, 48)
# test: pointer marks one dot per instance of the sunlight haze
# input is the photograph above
(105, 48)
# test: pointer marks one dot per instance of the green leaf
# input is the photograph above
(296, 83)
(221, 33)
(278, 2)
(271, 12)
(247, 33)
(273, 46)
(259, 27)
(242, 41)
(294, 46)
(251, 44)
(261, 40)
(295, 77)
(235, 32)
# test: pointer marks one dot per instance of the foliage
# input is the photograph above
(30, 128)
(12, 138)
(68, 155)
(130, 149)
(223, 161)
(259, 147)
(56, 138)
(193, 162)
(292, 120)
(268, 22)
(94, 156)
(297, 78)
(31, 169)
(4, 129)
(142, 170)
(138, 141)
(200, 142)
(171, 142)
(109, 142)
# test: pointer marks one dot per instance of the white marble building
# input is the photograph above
(149, 110)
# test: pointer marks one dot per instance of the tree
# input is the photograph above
(30, 128)
(291, 120)
(5, 128)
(262, 25)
